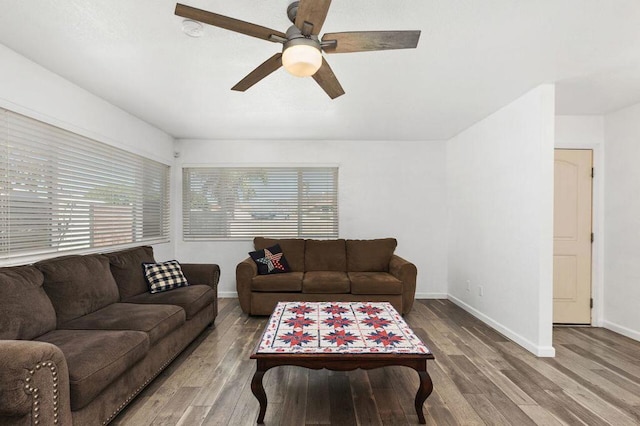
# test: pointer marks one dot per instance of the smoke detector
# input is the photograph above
(192, 28)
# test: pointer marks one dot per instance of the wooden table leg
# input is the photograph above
(258, 391)
(424, 390)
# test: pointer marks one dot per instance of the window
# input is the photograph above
(60, 191)
(239, 203)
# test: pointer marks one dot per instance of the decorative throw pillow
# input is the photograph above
(271, 260)
(164, 276)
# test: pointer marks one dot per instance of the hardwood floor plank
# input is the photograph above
(318, 405)
(389, 408)
(175, 407)
(619, 380)
(275, 383)
(220, 372)
(607, 412)
(295, 400)
(223, 407)
(548, 400)
(621, 366)
(405, 383)
(619, 346)
(193, 416)
(616, 399)
(486, 410)
(540, 416)
(451, 398)
(340, 400)
(364, 403)
(480, 377)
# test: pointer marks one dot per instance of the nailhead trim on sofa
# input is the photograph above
(35, 392)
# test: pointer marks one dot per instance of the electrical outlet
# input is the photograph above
(468, 285)
(480, 290)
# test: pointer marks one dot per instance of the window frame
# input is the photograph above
(52, 171)
(329, 230)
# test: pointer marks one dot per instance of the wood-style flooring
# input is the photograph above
(480, 377)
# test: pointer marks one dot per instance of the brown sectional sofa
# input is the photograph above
(80, 336)
(328, 270)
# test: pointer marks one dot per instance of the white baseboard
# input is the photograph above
(625, 331)
(228, 294)
(540, 351)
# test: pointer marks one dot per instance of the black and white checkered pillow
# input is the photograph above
(164, 276)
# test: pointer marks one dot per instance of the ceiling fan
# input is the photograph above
(302, 50)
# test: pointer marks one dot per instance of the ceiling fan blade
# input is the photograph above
(314, 12)
(328, 81)
(227, 23)
(362, 41)
(263, 70)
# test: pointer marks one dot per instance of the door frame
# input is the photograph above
(597, 226)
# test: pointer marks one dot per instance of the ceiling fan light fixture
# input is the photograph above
(301, 57)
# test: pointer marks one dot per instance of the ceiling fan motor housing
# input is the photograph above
(292, 11)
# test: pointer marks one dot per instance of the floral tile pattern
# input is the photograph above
(338, 327)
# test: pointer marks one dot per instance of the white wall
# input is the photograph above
(500, 199)
(386, 189)
(622, 222)
(31, 90)
(587, 132)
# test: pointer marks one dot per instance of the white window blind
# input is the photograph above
(240, 203)
(60, 191)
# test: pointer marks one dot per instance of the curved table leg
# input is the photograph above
(424, 390)
(258, 391)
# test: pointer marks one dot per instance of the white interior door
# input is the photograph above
(572, 236)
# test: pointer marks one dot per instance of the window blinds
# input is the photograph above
(239, 203)
(61, 191)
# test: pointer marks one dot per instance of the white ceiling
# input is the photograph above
(473, 57)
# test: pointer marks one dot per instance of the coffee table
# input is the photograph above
(339, 336)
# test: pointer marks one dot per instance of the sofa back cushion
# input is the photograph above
(126, 267)
(78, 285)
(370, 255)
(325, 255)
(25, 310)
(293, 249)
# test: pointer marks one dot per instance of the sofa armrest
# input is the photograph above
(203, 273)
(34, 384)
(245, 271)
(406, 272)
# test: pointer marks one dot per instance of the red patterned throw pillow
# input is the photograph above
(271, 260)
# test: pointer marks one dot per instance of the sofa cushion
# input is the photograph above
(192, 298)
(270, 260)
(164, 276)
(78, 285)
(95, 358)
(155, 320)
(370, 255)
(325, 282)
(292, 248)
(374, 283)
(25, 310)
(291, 281)
(126, 267)
(325, 255)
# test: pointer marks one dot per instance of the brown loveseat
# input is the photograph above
(80, 336)
(328, 270)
